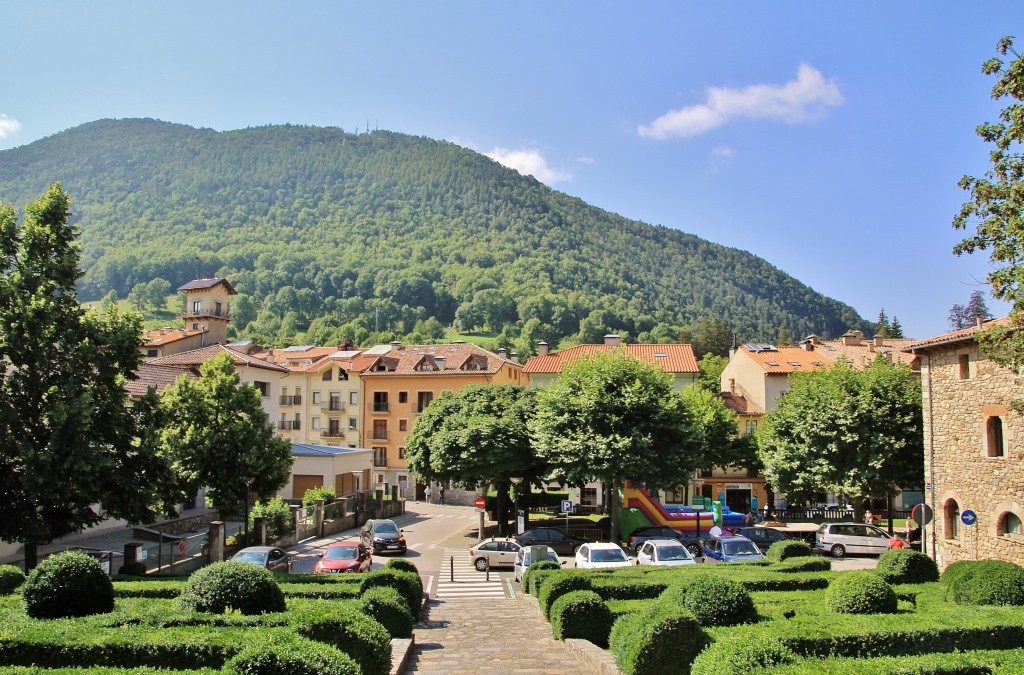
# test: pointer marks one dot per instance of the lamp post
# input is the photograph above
(516, 480)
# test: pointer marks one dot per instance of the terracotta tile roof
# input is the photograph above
(739, 405)
(197, 357)
(437, 360)
(164, 336)
(283, 356)
(786, 359)
(963, 335)
(861, 355)
(672, 358)
(201, 284)
(155, 376)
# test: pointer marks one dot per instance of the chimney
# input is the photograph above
(732, 385)
(852, 339)
(439, 360)
(808, 345)
(515, 357)
(395, 345)
(612, 340)
(502, 354)
(542, 348)
(879, 341)
(979, 321)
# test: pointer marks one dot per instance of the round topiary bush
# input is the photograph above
(389, 608)
(402, 565)
(132, 569)
(557, 585)
(740, 655)
(904, 566)
(791, 548)
(663, 639)
(240, 586)
(536, 567)
(860, 593)
(10, 578)
(356, 634)
(296, 657)
(406, 583)
(956, 569)
(713, 600)
(989, 582)
(583, 615)
(67, 584)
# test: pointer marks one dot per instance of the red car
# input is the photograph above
(345, 556)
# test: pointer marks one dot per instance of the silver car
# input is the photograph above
(838, 539)
(272, 558)
(663, 553)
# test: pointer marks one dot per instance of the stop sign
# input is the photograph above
(480, 502)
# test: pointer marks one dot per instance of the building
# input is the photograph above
(347, 470)
(973, 456)
(206, 315)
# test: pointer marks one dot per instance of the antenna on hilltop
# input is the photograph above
(367, 125)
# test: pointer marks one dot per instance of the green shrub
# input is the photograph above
(359, 636)
(740, 655)
(293, 657)
(67, 584)
(955, 570)
(663, 639)
(583, 615)
(790, 548)
(406, 583)
(10, 578)
(535, 567)
(988, 582)
(325, 493)
(619, 588)
(713, 600)
(388, 607)
(276, 514)
(809, 564)
(905, 566)
(247, 588)
(132, 568)
(402, 565)
(861, 593)
(558, 585)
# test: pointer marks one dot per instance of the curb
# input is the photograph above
(599, 660)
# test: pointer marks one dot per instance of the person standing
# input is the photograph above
(426, 493)
(440, 495)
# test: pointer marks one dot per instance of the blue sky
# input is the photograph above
(827, 138)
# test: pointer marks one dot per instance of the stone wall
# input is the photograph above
(964, 471)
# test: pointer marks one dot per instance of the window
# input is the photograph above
(328, 375)
(380, 430)
(423, 399)
(751, 427)
(588, 497)
(380, 401)
(951, 519)
(196, 306)
(195, 326)
(401, 453)
(216, 308)
(314, 422)
(403, 425)
(353, 398)
(264, 388)
(352, 423)
(1011, 524)
(994, 437)
(403, 397)
(380, 457)
(965, 367)
(152, 353)
(316, 398)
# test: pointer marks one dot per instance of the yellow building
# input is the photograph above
(206, 315)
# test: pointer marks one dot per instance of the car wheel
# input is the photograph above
(694, 550)
(480, 564)
(838, 551)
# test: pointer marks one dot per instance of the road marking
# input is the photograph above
(468, 582)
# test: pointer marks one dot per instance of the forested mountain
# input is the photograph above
(381, 235)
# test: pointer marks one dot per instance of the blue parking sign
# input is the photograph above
(566, 506)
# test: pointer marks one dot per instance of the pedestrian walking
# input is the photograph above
(426, 493)
(440, 495)
(897, 542)
(869, 517)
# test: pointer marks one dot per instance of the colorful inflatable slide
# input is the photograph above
(689, 520)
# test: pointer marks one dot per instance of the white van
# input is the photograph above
(523, 561)
(838, 539)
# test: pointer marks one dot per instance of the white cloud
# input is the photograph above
(724, 152)
(530, 162)
(801, 100)
(583, 159)
(8, 125)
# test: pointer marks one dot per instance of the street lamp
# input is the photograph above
(516, 480)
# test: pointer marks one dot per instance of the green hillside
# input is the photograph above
(374, 235)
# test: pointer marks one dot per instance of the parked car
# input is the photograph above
(274, 559)
(664, 553)
(493, 553)
(638, 536)
(601, 555)
(382, 536)
(730, 548)
(562, 542)
(524, 557)
(344, 556)
(763, 537)
(838, 539)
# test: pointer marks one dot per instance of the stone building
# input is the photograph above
(973, 456)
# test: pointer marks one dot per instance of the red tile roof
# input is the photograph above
(442, 359)
(786, 359)
(165, 336)
(963, 335)
(201, 284)
(155, 376)
(672, 358)
(197, 357)
(739, 405)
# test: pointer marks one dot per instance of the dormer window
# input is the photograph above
(475, 362)
(328, 375)
(426, 365)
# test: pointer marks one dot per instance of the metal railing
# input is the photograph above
(332, 433)
(291, 400)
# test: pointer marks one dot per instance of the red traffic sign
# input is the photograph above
(181, 546)
(480, 502)
(921, 514)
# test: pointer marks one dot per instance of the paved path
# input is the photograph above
(458, 579)
(462, 637)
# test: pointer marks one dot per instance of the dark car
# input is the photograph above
(763, 537)
(638, 536)
(562, 542)
(272, 558)
(382, 536)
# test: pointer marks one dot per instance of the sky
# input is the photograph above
(825, 137)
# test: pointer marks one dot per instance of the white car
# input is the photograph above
(523, 560)
(599, 556)
(663, 553)
(839, 539)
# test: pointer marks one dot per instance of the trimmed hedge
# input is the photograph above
(713, 600)
(558, 585)
(861, 592)
(906, 566)
(791, 548)
(809, 564)
(406, 583)
(132, 568)
(738, 656)
(617, 588)
(664, 639)
(245, 587)
(583, 615)
(538, 566)
(10, 578)
(65, 585)
(293, 657)
(402, 565)
(358, 635)
(388, 607)
(988, 582)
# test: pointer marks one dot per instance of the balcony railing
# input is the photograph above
(381, 407)
(291, 400)
(379, 435)
(203, 311)
(380, 460)
(289, 425)
(332, 433)
(332, 406)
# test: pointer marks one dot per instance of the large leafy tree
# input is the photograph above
(68, 434)
(709, 375)
(965, 316)
(216, 434)
(613, 418)
(852, 432)
(477, 435)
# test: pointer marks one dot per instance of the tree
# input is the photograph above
(966, 316)
(157, 291)
(882, 325)
(996, 206)
(68, 434)
(712, 334)
(709, 374)
(216, 434)
(477, 435)
(857, 433)
(612, 418)
(137, 297)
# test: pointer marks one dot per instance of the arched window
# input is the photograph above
(1010, 524)
(951, 520)
(994, 436)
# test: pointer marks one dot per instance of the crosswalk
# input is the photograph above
(461, 581)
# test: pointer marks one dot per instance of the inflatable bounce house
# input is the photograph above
(640, 509)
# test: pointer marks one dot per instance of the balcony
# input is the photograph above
(291, 400)
(380, 407)
(380, 460)
(332, 433)
(334, 405)
(204, 311)
(289, 425)
(379, 435)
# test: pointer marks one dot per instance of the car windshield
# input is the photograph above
(607, 555)
(740, 548)
(526, 557)
(385, 528)
(673, 553)
(250, 557)
(340, 553)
